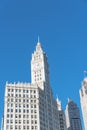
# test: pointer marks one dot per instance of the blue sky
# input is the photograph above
(62, 27)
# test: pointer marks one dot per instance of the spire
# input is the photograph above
(38, 39)
(38, 43)
(57, 99)
(59, 103)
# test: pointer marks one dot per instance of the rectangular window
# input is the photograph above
(8, 90)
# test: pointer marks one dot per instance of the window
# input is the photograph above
(24, 105)
(11, 100)
(19, 95)
(16, 90)
(11, 115)
(11, 105)
(16, 116)
(35, 127)
(8, 94)
(19, 90)
(27, 106)
(23, 116)
(32, 127)
(16, 110)
(24, 100)
(35, 111)
(19, 110)
(11, 127)
(27, 127)
(15, 121)
(34, 96)
(8, 100)
(31, 116)
(11, 110)
(27, 121)
(32, 121)
(35, 122)
(24, 121)
(19, 105)
(23, 91)
(34, 106)
(19, 121)
(27, 116)
(23, 127)
(19, 100)
(34, 91)
(15, 127)
(19, 127)
(27, 91)
(12, 95)
(11, 121)
(19, 116)
(8, 110)
(35, 116)
(27, 100)
(7, 121)
(8, 90)
(27, 111)
(23, 95)
(24, 110)
(8, 105)
(31, 111)
(31, 106)
(34, 101)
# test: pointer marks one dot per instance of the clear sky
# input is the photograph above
(62, 27)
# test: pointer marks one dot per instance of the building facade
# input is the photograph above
(73, 121)
(83, 100)
(31, 106)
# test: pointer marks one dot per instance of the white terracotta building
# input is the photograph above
(83, 100)
(31, 106)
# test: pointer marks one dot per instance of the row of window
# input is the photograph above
(38, 79)
(21, 116)
(20, 100)
(19, 110)
(20, 95)
(20, 121)
(20, 127)
(24, 105)
(20, 90)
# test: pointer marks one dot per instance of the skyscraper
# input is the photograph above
(31, 106)
(73, 121)
(83, 100)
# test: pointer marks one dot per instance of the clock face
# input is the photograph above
(37, 65)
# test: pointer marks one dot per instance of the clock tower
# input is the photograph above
(39, 65)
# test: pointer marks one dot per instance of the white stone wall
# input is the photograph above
(83, 100)
(21, 109)
(31, 106)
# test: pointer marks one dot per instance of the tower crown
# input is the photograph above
(38, 46)
(39, 65)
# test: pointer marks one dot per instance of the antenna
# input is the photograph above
(38, 39)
